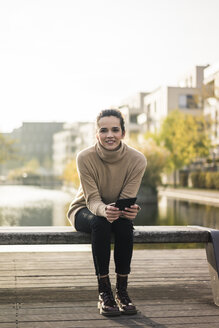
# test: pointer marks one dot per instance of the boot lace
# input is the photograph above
(108, 298)
(106, 293)
(124, 297)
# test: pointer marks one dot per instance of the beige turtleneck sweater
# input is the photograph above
(106, 176)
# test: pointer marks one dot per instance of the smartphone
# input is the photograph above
(125, 202)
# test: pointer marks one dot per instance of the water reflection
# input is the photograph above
(170, 211)
(26, 216)
(33, 206)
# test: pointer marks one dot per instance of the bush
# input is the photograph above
(183, 179)
(70, 174)
(209, 180)
(157, 159)
(202, 179)
(195, 180)
(198, 179)
(216, 180)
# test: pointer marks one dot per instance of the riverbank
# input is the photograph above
(210, 197)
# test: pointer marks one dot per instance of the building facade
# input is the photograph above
(69, 141)
(145, 111)
(211, 104)
(132, 108)
(35, 141)
(187, 98)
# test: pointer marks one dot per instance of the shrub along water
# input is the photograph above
(208, 180)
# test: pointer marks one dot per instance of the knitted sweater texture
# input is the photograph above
(106, 176)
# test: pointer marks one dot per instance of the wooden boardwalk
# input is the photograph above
(171, 289)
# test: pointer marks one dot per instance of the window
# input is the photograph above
(182, 101)
(189, 101)
(148, 109)
(133, 118)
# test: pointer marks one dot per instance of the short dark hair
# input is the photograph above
(112, 112)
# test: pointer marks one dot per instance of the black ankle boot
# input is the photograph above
(122, 298)
(106, 304)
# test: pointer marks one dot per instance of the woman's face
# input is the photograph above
(109, 132)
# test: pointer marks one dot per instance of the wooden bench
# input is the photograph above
(142, 234)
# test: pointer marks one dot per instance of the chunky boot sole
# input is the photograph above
(126, 312)
(109, 313)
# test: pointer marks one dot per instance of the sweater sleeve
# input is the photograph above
(89, 186)
(133, 180)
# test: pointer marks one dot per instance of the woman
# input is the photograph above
(108, 171)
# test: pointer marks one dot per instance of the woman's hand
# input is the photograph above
(130, 212)
(112, 213)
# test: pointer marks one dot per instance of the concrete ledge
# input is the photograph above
(196, 195)
(68, 235)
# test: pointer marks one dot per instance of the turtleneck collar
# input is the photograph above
(111, 156)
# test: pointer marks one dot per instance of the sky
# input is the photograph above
(65, 60)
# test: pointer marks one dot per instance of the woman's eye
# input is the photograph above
(103, 130)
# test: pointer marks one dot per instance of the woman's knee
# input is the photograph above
(83, 220)
(123, 226)
(100, 223)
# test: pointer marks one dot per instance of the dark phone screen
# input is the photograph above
(126, 202)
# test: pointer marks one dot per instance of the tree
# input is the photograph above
(30, 168)
(186, 138)
(70, 173)
(157, 159)
(7, 150)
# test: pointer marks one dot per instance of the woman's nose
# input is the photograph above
(109, 133)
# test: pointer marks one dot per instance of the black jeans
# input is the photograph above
(101, 230)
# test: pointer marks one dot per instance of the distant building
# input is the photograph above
(35, 140)
(211, 103)
(145, 111)
(132, 108)
(193, 78)
(187, 98)
(69, 141)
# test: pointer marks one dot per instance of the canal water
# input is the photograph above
(33, 206)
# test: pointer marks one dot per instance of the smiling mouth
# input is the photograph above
(110, 141)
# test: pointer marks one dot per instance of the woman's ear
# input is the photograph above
(123, 134)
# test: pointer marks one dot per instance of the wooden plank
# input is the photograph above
(112, 324)
(171, 289)
(123, 322)
(180, 318)
(92, 312)
(170, 317)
